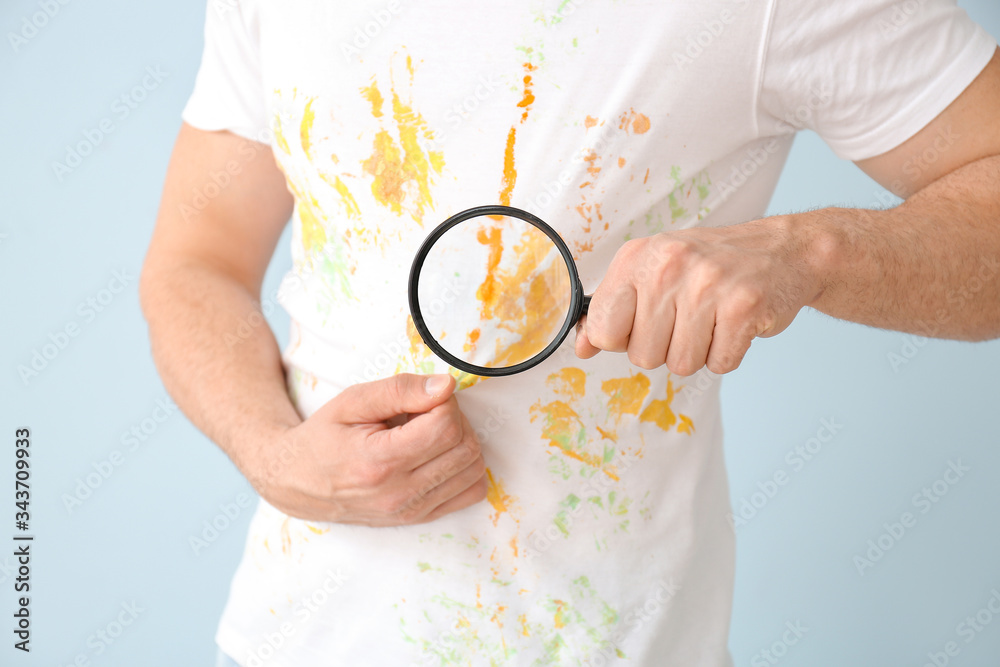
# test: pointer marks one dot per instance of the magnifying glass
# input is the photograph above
(494, 291)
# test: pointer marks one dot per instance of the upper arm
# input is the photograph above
(966, 131)
(224, 204)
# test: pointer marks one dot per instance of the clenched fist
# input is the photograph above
(391, 452)
(698, 297)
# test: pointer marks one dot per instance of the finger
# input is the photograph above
(427, 437)
(583, 347)
(610, 316)
(456, 444)
(690, 340)
(730, 342)
(375, 402)
(651, 331)
(427, 496)
(475, 493)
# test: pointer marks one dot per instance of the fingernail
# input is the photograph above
(435, 384)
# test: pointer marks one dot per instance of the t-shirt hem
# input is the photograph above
(248, 131)
(908, 121)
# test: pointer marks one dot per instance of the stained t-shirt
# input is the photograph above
(604, 537)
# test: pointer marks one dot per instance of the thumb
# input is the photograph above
(584, 348)
(371, 402)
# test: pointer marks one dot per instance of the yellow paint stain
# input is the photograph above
(402, 173)
(686, 425)
(310, 214)
(569, 382)
(523, 620)
(463, 622)
(659, 412)
(497, 496)
(479, 596)
(305, 128)
(286, 537)
(316, 529)
(374, 97)
(560, 616)
(612, 472)
(513, 545)
(279, 135)
(626, 394)
(350, 204)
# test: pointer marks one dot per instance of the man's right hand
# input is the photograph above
(385, 453)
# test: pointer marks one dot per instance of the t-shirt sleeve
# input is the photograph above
(228, 92)
(866, 75)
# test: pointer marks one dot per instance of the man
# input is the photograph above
(650, 135)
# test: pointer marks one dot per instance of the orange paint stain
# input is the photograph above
(497, 496)
(621, 162)
(633, 121)
(513, 545)
(471, 339)
(589, 122)
(509, 178)
(626, 394)
(569, 382)
(646, 177)
(608, 435)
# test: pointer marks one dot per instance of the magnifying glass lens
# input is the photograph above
(494, 291)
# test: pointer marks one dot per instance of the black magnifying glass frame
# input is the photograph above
(578, 306)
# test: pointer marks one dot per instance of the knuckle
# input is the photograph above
(451, 431)
(480, 488)
(374, 474)
(682, 367)
(643, 360)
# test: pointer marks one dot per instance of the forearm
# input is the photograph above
(930, 266)
(229, 383)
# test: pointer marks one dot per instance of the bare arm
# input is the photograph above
(201, 281)
(352, 461)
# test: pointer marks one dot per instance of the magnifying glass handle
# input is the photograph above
(586, 306)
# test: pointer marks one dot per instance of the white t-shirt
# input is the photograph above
(605, 536)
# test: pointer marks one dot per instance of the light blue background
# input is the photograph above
(62, 240)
